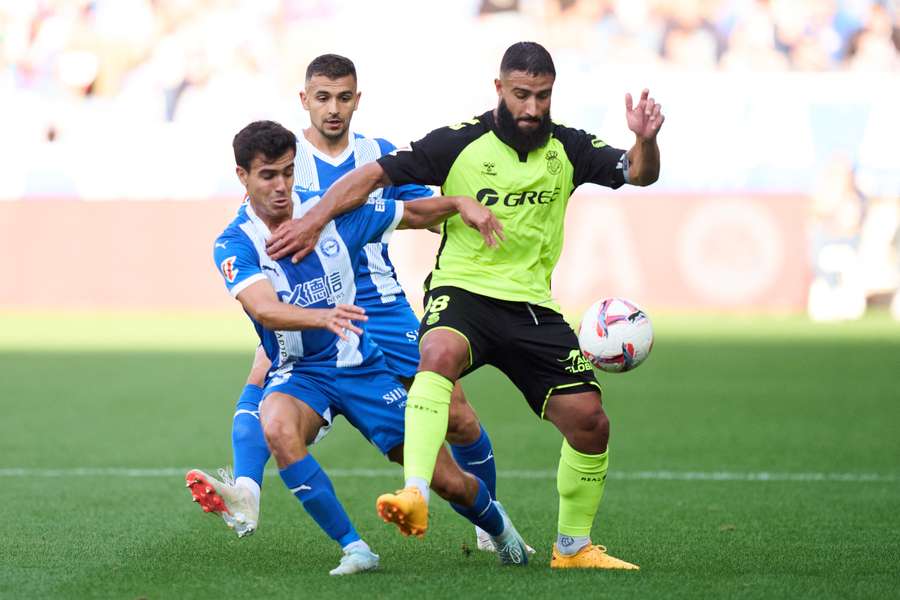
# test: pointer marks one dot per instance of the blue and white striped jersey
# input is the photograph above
(315, 171)
(322, 279)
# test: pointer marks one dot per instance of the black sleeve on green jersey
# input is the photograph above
(594, 161)
(428, 161)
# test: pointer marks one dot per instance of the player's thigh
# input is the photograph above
(456, 331)
(542, 358)
(395, 329)
(297, 401)
(374, 401)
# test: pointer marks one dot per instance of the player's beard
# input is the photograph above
(333, 134)
(522, 141)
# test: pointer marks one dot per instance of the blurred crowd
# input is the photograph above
(160, 56)
(138, 99)
(768, 35)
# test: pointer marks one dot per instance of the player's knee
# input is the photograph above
(593, 427)
(447, 360)
(280, 434)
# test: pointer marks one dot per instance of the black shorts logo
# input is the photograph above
(577, 362)
(434, 307)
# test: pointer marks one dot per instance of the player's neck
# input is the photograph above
(331, 147)
(272, 222)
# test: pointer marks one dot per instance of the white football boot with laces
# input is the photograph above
(237, 506)
(511, 548)
(486, 542)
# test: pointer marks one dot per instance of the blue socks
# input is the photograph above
(478, 459)
(484, 512)
(309, 483)
(247, 440)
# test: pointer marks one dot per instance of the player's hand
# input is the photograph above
(297, 237)
(339, 320)
(481, 218)
(646, 118)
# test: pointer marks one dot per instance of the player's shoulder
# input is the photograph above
(467, 130)
(571, 135)
(235, 233)
(450, 140)
(383, 145)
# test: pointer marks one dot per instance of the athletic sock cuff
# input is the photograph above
(474, 445)
(584, 463)
(298, 473)
(251, 395)
(432, 386)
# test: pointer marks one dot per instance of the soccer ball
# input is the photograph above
(615, 335)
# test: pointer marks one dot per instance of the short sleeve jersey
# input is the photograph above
(323, 279)
(527, 192)
(315, 172)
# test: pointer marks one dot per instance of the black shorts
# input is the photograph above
(532, 345)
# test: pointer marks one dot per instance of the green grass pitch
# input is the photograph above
(750, 458)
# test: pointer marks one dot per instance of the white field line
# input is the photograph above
(762, 476)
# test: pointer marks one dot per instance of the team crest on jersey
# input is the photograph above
(228, 269)
(554, 165)
(329, 246)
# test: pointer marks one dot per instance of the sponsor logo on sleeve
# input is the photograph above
(228, 269)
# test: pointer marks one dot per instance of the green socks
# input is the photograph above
(427, 413)
(580, 481)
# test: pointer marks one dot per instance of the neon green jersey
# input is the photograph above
(528, 193)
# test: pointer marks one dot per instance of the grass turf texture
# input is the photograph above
(737, 395)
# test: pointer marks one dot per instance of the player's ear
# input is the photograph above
(499, 86)
(304, 99)
(242, 174)
(356, 100)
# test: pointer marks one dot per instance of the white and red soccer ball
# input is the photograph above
(615, 335)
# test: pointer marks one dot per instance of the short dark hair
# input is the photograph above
(530, 57)
(332, 66)
(262, 137)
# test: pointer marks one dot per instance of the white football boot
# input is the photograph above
(486, 542)
(356, 560)
(511, 548)
(237, 506)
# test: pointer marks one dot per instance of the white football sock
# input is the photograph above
(420, 483)
(568, 545)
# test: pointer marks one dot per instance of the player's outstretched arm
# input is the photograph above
(428, 212)
(299, 236)
(644, 119)
(261, 303)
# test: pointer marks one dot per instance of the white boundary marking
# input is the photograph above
(501, 474)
